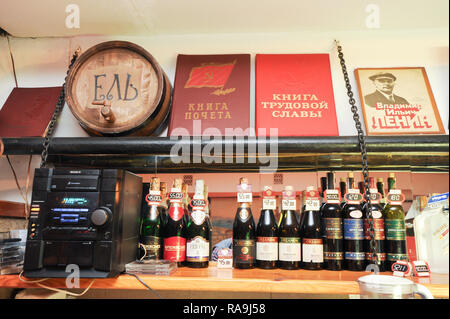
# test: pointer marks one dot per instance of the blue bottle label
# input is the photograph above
(353, 229)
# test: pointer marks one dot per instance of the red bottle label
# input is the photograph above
(175, 248)
(176, 213)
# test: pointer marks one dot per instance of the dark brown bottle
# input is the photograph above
(175, 228)
(333, 228)
(354, 255)
(267, 233)
(289, 246)
(378, 227)
(198, 233)
(310, 231)
(244, 230)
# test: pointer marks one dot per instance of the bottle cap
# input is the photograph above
(154, 184)
(392, 175)
(177, 183)
(380, 179)
(243, 180)
(342, 179)
(351, 175)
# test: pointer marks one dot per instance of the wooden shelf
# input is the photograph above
(237, 280)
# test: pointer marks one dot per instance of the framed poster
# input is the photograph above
(397, 101)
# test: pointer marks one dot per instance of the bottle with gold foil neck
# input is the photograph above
(175, 229)
(244, 230)
(150, 237)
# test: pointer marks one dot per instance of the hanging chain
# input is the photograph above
(58, 109)
(363, 149)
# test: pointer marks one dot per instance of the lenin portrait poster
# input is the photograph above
(397, 101)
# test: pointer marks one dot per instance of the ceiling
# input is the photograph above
(47, 18)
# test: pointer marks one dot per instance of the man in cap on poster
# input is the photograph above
(384, 83)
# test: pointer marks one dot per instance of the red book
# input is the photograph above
(213, 91)
(27, 111)
(294, 93)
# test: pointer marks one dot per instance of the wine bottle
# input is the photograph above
(175, 229)
(323, 183)
(198, 232)
(310, 231)
(394, 223)
(343, 189)
(378, 227)
(244, 231)
(289, 245)
(267, 233)
(380, 188)
(332, 227)
(150, 242)
(354, 256)
(164, 207)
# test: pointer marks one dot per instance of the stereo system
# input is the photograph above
(88, 218)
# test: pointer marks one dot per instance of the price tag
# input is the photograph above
(198, 203)
(225, 258)
(375, 196)
(289, 204)
(312, 200)
(175, 195)
(269, 201)
(244, 197)
(332, 196)
(153, 198)
(395, 197)
(421, 268)
(401, 268)
(353, 197)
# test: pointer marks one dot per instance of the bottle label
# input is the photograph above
(290, 249)
(289, 204)
(244, 214)
(380, 256)
(244, 251)
(353, 229)
(378, 227)
(332, 196)
(353, 196)
(151, 246)
(333, 255)
(395, 197)
(312, 200)
(354, 255)
(312, 250)
(176, 213)
(198, 216)
(333, 228)
(395, 229)
(267, 248)
(175, 248)
(395, 257)
(197, 249)
(244, 193)
(153, 198)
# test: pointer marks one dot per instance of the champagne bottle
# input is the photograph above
(198, 231)
(354, 256)
(378, 226)
(244, 231)
(310, 231)
(394, 223)
(332, 227)
(175, 229)
(267, 233)
(164, 207)
(289, 245)
(151, 222)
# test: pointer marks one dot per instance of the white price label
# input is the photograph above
(269, 203)
(289, 204)
(244, 197)
(312, 204)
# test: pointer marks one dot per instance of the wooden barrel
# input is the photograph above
(117, 88)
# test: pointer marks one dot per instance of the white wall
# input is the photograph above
(42, 62)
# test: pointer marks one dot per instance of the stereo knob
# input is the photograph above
(100, 216)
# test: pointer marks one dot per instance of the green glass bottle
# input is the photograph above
(394, 223)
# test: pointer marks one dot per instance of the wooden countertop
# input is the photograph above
(252, 280)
